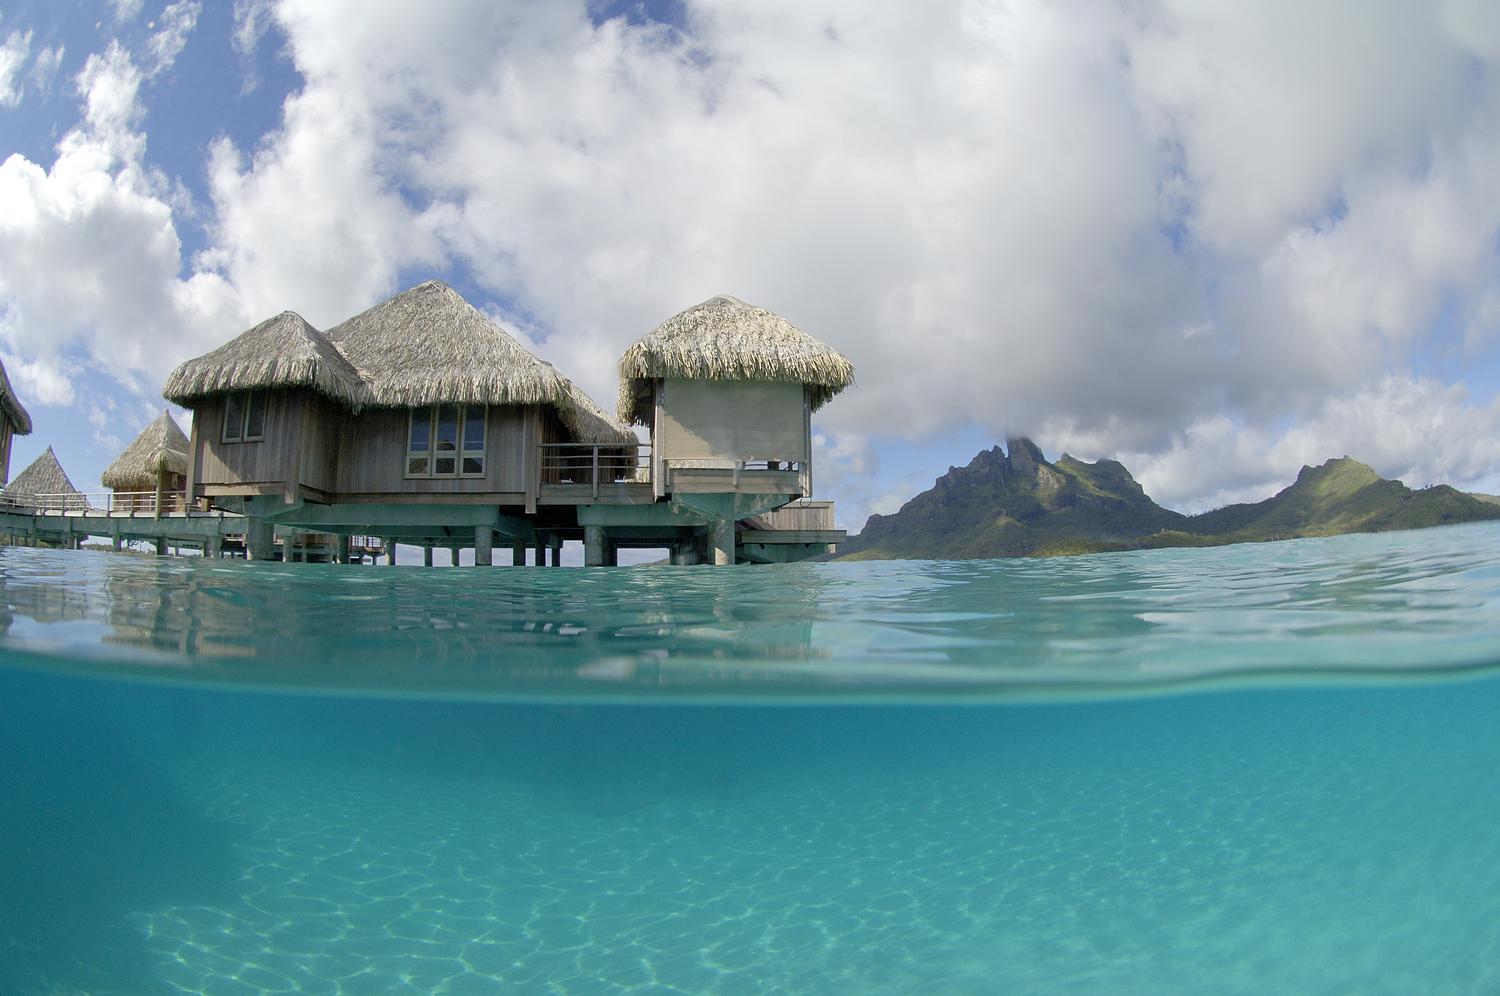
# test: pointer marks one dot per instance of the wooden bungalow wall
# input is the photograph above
(372, 454)
(312, 443)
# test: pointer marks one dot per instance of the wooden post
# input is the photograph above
(159, 475)
(114, 542)
(427, 555)
(554, 558)
(541, 551)
(213, 547)
(484, 546)
(721, 537)
(342, 555)
(518, 554)
(390, 552)
(594, 546)
(260, 539)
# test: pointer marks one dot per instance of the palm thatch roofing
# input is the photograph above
(588, 422)
(424, 346)
(284, 351)
(161, 446)
(44, 476)
(726, 339)
(428, 345)
(11, 407)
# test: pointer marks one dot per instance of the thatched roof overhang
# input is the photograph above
(428, 346)
(726, 339)
(44, 476)
(161, 447)
(11, 407)
(424, 346)
(590, 423)
(284, 351)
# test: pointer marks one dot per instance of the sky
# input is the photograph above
(1215, 241)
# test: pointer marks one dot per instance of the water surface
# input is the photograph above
(868, 778)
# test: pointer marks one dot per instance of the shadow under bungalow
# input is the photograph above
(422, 422)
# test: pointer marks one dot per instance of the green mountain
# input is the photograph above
(1016, 504)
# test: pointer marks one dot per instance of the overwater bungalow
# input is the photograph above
(14, 421)
(422, 421)
(151, 475)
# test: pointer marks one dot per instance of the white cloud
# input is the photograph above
(175, 25)
(42, 380)
(45, 66)
(252, 21)
(13, 53)
(1412, 429)
(89, 254)
(126, 10)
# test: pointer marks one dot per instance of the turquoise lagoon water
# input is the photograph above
(1269, 768)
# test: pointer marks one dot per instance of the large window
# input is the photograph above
(244, 417)
(446, 441)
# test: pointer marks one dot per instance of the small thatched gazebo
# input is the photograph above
(45, 486)
(155, 462)
(15, 420)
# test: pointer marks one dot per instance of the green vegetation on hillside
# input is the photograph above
(1016, 504)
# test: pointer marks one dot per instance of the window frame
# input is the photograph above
(461, 451)
(248, 402)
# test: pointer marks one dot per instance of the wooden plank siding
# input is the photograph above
(314, 448)
(372, 454)
(269, 465)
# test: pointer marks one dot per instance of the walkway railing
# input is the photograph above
(594, 464)
(96, 503)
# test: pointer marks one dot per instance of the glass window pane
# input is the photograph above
(255, 415)
(420, 439)
(447, 428)
(445, 465)
(416, 466)
(474, 428)
(234, 415)
(473, 465)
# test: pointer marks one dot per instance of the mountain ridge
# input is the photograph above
(1014, 503)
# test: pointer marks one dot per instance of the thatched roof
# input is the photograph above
(44, 476)
(428, 345)
(161, 446)
(726, 339)
(284, 351)
(424, 346)
(590, 423)
(11, 407)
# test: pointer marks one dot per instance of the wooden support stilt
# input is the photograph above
(721, 538)
(594, 546)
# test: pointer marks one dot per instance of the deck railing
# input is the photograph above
(595, 464)
(98, 503)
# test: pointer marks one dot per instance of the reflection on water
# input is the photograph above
(1400, 602)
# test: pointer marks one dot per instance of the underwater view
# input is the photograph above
(1259, 768)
